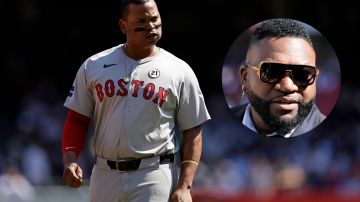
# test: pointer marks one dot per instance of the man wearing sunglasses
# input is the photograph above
(279, 80)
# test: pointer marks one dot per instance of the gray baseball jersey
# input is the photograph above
(135, 104)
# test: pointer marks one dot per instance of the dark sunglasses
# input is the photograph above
(272, 73)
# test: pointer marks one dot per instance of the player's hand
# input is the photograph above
(181, 194)
(73, 175)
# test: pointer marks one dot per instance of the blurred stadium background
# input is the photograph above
(45, 42)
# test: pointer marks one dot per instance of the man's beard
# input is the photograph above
(274, 123)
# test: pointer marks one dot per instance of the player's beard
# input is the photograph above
(274, 123)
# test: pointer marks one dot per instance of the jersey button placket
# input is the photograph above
(122, 136)
(132, 76)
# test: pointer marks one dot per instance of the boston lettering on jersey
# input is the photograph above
(150, 91)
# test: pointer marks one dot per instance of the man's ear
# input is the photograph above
(243, 74)
(122, 25)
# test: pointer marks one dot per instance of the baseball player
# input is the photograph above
(136, 94)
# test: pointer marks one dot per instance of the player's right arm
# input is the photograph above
(73, 140)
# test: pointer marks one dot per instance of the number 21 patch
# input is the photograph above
(154, 73)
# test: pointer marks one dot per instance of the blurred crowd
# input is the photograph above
(326, 158)
(233, 159)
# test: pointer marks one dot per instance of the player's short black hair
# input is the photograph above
(280, 27)
(126, 3)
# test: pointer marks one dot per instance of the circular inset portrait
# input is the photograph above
(281, 78)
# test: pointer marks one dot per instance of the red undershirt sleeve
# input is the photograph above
(74, 133)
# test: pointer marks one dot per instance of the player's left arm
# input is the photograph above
(73, 140)
(190, 156)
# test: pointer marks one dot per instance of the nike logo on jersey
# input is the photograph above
(67, 148)
(109, 65)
